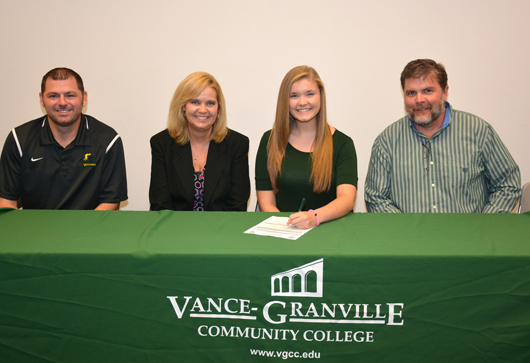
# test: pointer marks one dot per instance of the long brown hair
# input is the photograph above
(322, 154)
(190, 87)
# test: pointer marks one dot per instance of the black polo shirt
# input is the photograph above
(44, 175)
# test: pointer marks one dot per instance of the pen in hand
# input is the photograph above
(301, 205)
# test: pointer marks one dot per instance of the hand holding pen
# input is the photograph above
(303, 219)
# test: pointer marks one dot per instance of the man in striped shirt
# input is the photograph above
(64, 160)
(437, 159)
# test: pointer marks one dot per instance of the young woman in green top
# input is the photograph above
(304, 158)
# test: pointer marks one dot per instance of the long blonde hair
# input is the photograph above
(189, 88)
(322, 154)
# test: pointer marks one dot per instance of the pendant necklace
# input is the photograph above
(197, 155)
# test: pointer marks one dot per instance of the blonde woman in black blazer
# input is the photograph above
(197, 162)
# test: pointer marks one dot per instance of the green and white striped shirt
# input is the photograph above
(463, 168)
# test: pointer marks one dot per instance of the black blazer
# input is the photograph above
(226, 182)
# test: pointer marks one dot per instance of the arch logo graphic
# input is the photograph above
(302, 275)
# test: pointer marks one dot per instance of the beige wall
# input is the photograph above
(133, 54)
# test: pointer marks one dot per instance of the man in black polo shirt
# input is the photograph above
(64, 160)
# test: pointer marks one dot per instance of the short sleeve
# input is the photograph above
(346, 161)
(114, 179)
(10, 165)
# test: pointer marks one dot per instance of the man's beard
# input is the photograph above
(427, 120)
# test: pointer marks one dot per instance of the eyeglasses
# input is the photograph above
(426, 151)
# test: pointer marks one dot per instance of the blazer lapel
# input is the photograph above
(184, 170)
(214, 167)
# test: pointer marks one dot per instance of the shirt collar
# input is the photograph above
(82, 137)
(447, 117)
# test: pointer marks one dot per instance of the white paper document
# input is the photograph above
(277, 227)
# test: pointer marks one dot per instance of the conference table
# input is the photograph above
(134, 286)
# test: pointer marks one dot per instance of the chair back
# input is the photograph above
(524, 206)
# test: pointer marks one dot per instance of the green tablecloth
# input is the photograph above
(88, 286)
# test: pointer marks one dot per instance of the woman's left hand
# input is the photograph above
(302, 220)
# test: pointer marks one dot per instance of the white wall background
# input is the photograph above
(132, 54)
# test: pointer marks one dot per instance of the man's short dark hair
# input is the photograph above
(421, 68)
(60, 74)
